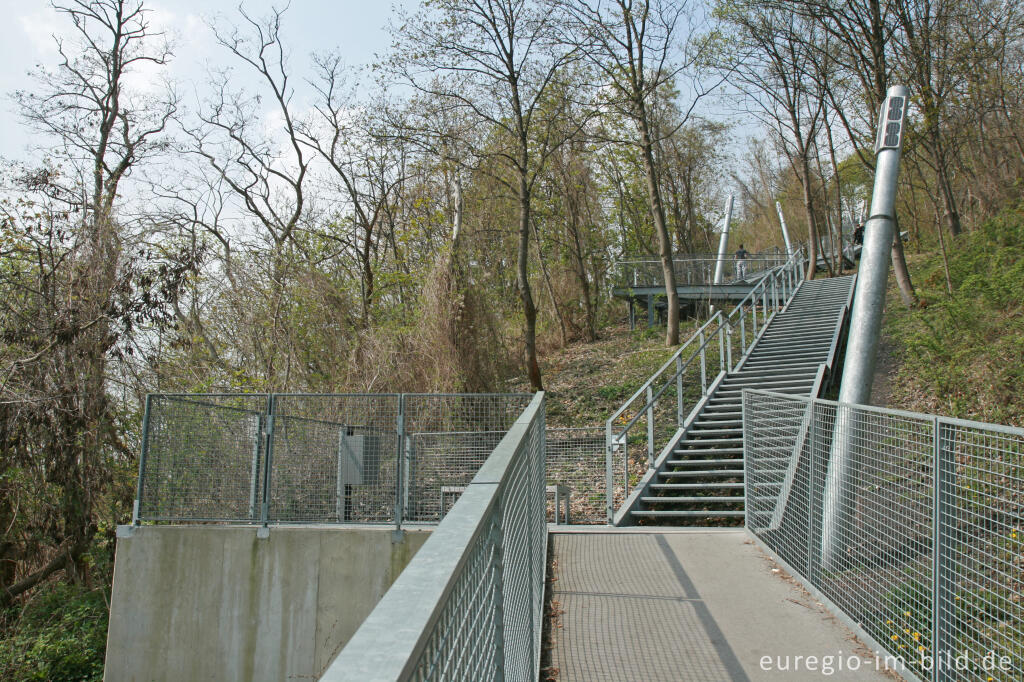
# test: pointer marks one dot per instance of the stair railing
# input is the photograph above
(732, 336)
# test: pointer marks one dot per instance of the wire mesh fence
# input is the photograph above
(575, 459)
(315, 458)
(909, 524)
(470, 603)
(696, 269)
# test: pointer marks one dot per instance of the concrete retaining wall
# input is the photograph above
(219, 603)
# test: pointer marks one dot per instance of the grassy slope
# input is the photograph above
(586, 382)
(963, 355)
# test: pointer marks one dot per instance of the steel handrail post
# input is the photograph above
(609, 474)
(400, 463)
(143, 452)
(650, 426)
(268, 460)
(679, 391)
(703, 367)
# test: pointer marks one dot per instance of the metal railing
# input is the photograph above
(470, 603)
(694, 269)
(313, 458)
(575, 459)
(929, 568)
(661, 402)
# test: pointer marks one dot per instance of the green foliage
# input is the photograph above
(60, 635)
(961, 353)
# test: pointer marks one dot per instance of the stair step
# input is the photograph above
(709, 441)
(708, 451)
(702, 431)
(706, 426)
(711, 473)
(716, 499)
(689, 513)
(705, 462)
(701, 486)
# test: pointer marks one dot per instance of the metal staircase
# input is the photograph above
(698, 478)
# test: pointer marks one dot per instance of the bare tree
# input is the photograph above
(494, 60)
(635, 47)
(863, 33)
(776, 69)
(74, 288)
(266, 174)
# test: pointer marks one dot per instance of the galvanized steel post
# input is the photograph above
(785, 232)
(723, 243)
(143, 450)
(865, 319)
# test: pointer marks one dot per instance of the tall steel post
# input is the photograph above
(785, 232)
(723, 246)
(865, 324)
(723, 243)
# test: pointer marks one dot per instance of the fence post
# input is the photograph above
(679, 392)
(609, 473)
(400, 463)
(254, 473)
(721, 345)
(650, 426)
(703, 366)
(268, 462)
(143, 451)
(942, 473)
(728, 345)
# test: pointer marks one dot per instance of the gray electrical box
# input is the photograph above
(358, 458)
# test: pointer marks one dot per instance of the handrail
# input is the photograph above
(782, 281)
(480, 573)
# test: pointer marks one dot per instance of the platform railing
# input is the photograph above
(694, 269)
(930, 573)
(662, 403)
(469, 606)
(313, 458)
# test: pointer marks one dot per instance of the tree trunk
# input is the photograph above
(951, 215)
(812, 227)
(563, 333)
(664, 240)
(899, 268)
(523, 282)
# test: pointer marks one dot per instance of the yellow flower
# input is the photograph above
(906, 613)
(895, 637)
(917, 635)
(889, 622)
(920, 648)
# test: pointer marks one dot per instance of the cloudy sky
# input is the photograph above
(358, 29)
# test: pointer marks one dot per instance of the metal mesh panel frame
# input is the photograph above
(909, 525)
(575, 458)
(312, 458)
(470, 603)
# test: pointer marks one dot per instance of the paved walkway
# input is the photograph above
(681, 606)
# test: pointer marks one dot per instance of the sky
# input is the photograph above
(357, 29)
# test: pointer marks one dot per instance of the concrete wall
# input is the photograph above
(219, 603)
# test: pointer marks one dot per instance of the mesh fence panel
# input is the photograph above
(576, 459)
(331, 458)
(202, 458)
(439, 467)
(334, 458)
(489, 626)
(915, 538)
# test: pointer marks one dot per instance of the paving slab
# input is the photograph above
(682, 606)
